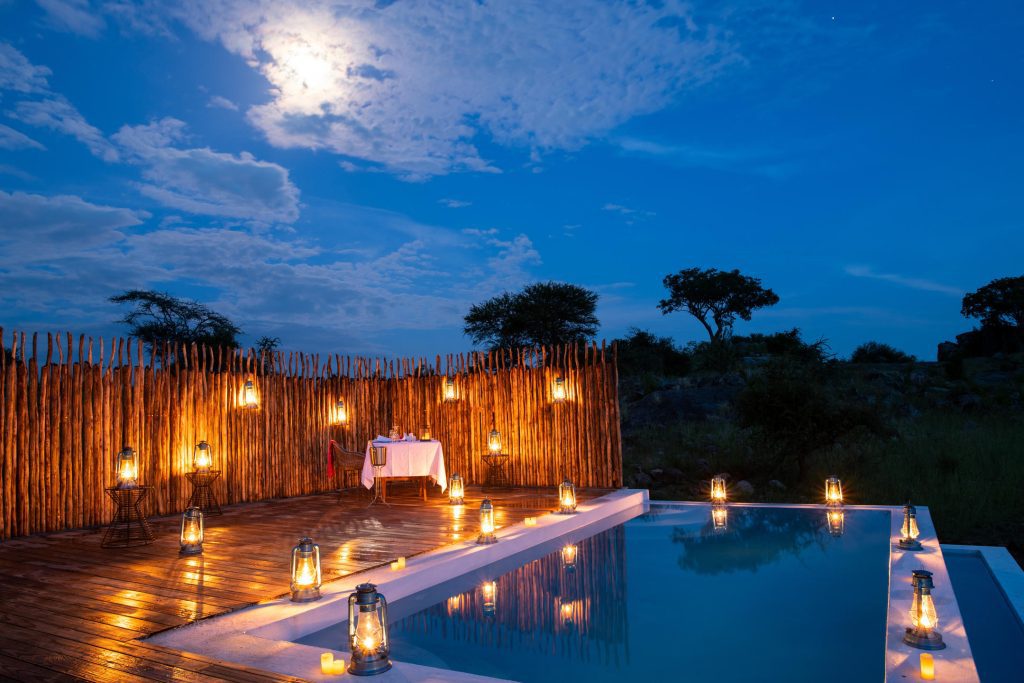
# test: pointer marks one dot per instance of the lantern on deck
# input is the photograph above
(127, 466)
(719, 517)
(833, 491)
(569, 552)
(191, 538)
(486, 523)
(718, 494)
(922, 634)
(494, 441)
(909, 531)
(836, 522)
(202, 457)
(368, 631)
(306, 577)
(558, 391)
(340, 413)
(489, 589)
(456, 490)
(449, 389)
(566, 498)
(249, 399)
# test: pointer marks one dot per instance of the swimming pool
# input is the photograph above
(774, 595)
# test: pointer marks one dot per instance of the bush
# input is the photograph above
(877, 352)
(643, 353)
(732, 353)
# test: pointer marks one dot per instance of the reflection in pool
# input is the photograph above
(669, 595)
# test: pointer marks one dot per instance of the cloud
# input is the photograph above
(12, 139)
(201, 181)
(630, 214)
(412, 85)
(19, 74)
(757, 162)
(454, 203)
(903, 281)
(218, 102)
(72, 16)
(58, 114)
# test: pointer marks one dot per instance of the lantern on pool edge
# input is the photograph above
(719, 517)
(569, 552)
(368, 631)
(909, 531)
(127, 468)
(833, 491)
(202, 457)
(306, 578)
(456, 490)
(566, 498)
(449, 389)
(494, 441)
(558, 391)
(191, 538)
(718, 494)
(922, 634)
(836, 522)
(486, 523)
(340, 413)
(249, 399)
(489, 589)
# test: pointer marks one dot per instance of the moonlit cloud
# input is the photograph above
(220, 102)
(72, 16)
(411, 85)
(17, 73)
(454, 203)
(12, 139)
(903, 281)
(60, 115)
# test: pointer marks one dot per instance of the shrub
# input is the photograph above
(877, 352)
(643, 353)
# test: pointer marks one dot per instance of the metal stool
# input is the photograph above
(128, 528)
(497, 470)
(202, 494)
(378, 458)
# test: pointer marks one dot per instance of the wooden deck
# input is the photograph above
(70, 610)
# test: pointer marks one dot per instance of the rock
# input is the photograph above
(657, 472)
(744, 488)
(948, 351)
(674, 474)
(642, 480)
(776, 484)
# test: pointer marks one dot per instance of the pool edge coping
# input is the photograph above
(1007, 573)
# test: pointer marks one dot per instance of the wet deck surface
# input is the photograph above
(71, 610)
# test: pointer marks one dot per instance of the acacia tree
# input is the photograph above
(158, 317)
(543, 314)
(715, 298)
(999, 303)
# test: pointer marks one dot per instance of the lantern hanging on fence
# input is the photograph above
(494, 441)
(368, 639)
(836, 522)
(566, 498)
(569, 552)
(833, 491)
(909, 531)
(449, 389)
(558, 393)
(306, 577)
(202, 457)
(127, 466)
(249, 399)
(718, 492)
(489, 589)
(565, 610)
(340, 413)
(191, 538)
(924, 621)
(456, 490)
(486, 523)
(719, 517)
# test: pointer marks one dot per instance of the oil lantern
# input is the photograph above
(833, 491)
(922, 633)
(202, 457)
(456, 490)
(127, 468)
(566, 498)
(191, 539)
(306, 577)
(368, 631)
(486, 523)
(909, 531)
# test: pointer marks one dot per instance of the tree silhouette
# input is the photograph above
(715, 298)
(999, 303)
(543, 314)
(158, 317)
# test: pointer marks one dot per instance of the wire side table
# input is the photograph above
(497, 470)
(202, 494)
(129, 527)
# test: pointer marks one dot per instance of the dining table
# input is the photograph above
(407, 458)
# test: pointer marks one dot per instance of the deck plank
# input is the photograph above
(71, 610)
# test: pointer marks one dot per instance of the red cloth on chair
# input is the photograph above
(330, 457)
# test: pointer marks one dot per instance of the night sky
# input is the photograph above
(351, 176)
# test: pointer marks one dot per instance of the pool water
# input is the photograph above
(666, 596)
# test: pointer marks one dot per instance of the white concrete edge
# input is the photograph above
(955, 663)
(1007, 573)
(261, 635)
(902, 662)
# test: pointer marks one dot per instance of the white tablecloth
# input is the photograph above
(408, 459)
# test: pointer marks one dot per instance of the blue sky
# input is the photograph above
(352, 176)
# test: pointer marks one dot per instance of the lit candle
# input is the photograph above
(531, 521)
(927, 667)
(327, 663)
(394, 566)
(338, 667)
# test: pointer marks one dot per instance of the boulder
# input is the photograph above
(642, 480)
(744, 488)
(777, 485)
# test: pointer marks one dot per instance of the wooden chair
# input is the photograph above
(348, 465)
